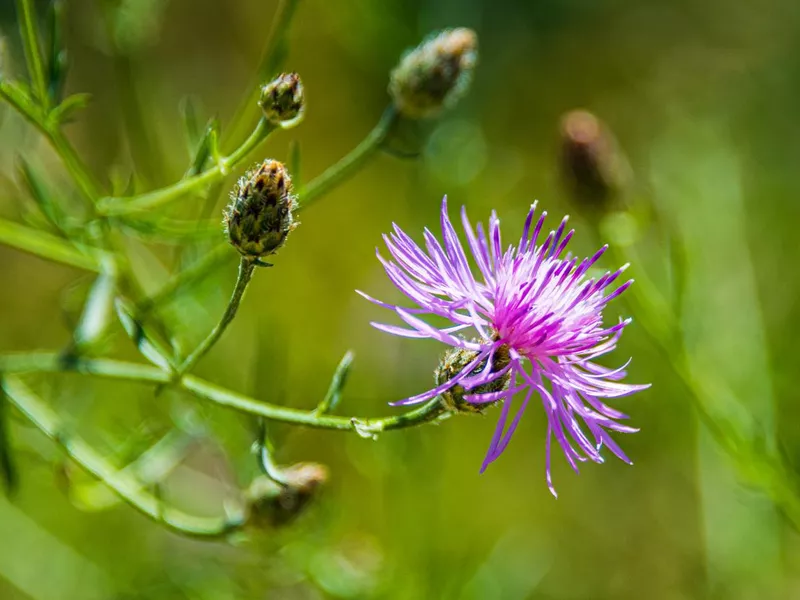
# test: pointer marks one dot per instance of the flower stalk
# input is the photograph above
(246, 268)
(120, 206)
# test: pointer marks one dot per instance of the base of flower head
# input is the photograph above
(453, 363)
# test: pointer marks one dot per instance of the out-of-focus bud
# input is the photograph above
(283, 101)
(453, 362)
(594, 169)
(272, 504)
(435, 74)
(259, 216)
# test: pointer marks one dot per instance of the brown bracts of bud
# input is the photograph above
(593, 168)
(273, 504)
(435, 74)
(259, 216)
(453, 362)
(283, 100)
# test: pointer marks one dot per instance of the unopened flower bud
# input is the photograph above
(593, 167)
(273, 504)
(282, 100)
(453, 362)
(435, 74)
(259, 216)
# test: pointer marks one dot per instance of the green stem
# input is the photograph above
(33, 52)
(74, 165)
(353, 161)
(48, 246)
(125, 371)
(122, 483)
(246, 268)
(121, 206)
(37, 117)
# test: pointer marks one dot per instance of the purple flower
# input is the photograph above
(539, 322)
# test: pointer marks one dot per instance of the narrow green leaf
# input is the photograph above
(190, 114)
(46, 246)
(334, 395)
(8, 471)
(39, 192)
(207, 147)
(17, 94)
(29, 32)
(151, 349)
(64, 112)
(57, 62)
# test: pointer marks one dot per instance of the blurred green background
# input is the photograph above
(702, 96)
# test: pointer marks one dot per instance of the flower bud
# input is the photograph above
(593, 168)
(259, 216)
(453, 362)
(282, 100)
(273, 504)
(435, 74)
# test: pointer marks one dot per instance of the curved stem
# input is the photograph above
(122, 483)
(50, 362)
(74, 165)
(121, 206)
(350, 163)
(246, 268)
(33, 52)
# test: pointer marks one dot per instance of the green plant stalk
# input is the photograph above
(74, 165)
(122, 483)
(120, 206)
(33, 53)
(152, 467)
(246, 268)
(51, 362)
(350, 163)
(48, 246)
(39, 119)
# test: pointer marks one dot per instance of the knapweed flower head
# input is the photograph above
(283, 100)
(593, 167)
(260, 214)
(435, 74)
(536, 318)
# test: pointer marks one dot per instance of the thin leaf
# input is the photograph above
(207, 147)
(190, 114)
(17, 94)
(8, 471)
(334, 395)
(57, 62)
(46, 246)
(151, 349)
(29, 32)
(41, 195)
(64, 112)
